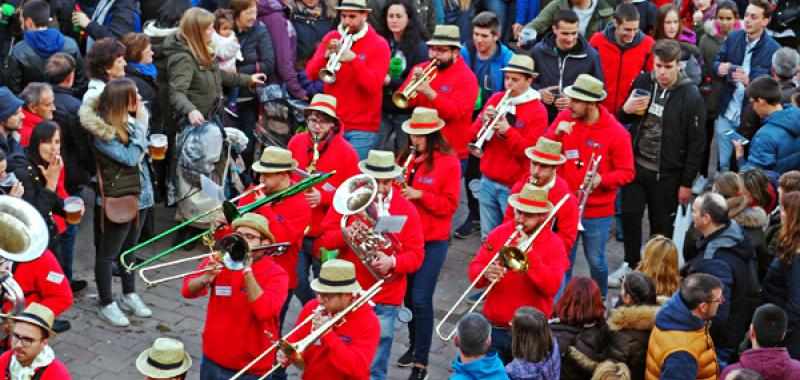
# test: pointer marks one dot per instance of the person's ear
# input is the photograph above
(489, 342)
(455, 341)
(751, 332)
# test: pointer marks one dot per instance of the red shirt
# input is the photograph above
(408, 258)
(30, 121)
(334, 154)
(235, 328)
(55, 371)
(359, 83)
(441, 188)
(548, 262)
(346, 351)
(456, 91)
(565, 222)
(43, 281)
(616, 165)
(504, 155)
(621, 67)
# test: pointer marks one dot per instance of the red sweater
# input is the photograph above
(621, 67)
(43, 281)
(359, 83)
(504, 155)
(288, 220)
(334, 154)
(536, 287)
(408, 259)
(55, 371)
(456, 91)
(616, 166)
(30, 121)
(235, 328)
(565, 222)
(346, 351)
(441, 188)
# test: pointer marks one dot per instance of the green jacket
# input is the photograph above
(603, 15)
(192, 86)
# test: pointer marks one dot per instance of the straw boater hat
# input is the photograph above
(531, 199)
(353, 5)
(255, 221)
(586, 88)
(423, 121)
(546, 151)
(336, 276)
(275, 160)
(166, 359)
(322, 103)
(522, 64)
(380, 165)
(39, 315)
(445, 35)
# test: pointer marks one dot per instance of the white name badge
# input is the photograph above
(572, 154)
(223, 291)
(328, 187)
(391, 224)
(55, 277)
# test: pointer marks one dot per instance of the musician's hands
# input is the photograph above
(424, 87)
(347, 56)
(382, 263)
(411, 193)
(564, 127)
(596, 180)
(319, 319)
(282, 359)
(333, 47)
(211, 274)
(501, 126)
(495, 272)
(313, 197)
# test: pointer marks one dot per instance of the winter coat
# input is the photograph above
(683, 122)
(709, 46)
(148, 88)
(311, 29)
(621, 64)
(601, 18)
(157, 34)
(488, 367)
(547, 369)
(46, 201)
(589, 340)
(527, 10)
(413, 57)
(275, 15)
(494, 80)
(78, 161)
(629, 331)
(10, 144)
(776, 145)
(256, 49)
(773, 363)
(28, 58)
(753, 221)
(122, 18)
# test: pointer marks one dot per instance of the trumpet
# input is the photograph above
(512, 257)
(487, 130)
(406, 176)
(328, 73)
(315, 153)
(402, 98)
(586, 186)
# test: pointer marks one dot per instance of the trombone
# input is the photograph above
(328, 73)
(402, 98)
(586, 186)
(487, 130)
(513, 257)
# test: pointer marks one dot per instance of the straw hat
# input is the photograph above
(323, 103)
(445, 35)
(423, 121)
(586, 88)
(520, 63)
(380, 165)
(546, 152)
(255, 221)
(39, 315)
(353, 5)
(531, 199)
(275, 160)
(336, 276)
(164, 360)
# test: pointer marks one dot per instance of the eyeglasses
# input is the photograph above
(720, 300)
(314, 120)
(250, 236)
(26, 342)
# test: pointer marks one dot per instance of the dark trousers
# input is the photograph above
(501, 344)
(306, 261)
(419, 296)
(472, 173)
(660, 195)
(246, 122)
(115, 239)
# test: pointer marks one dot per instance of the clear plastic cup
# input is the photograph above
(72, 209)
(158, 146)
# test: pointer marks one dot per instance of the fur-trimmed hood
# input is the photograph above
(639, 317)
(95, 124)
(751, 217)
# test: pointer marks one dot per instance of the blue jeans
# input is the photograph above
(419, 296)
(305, 260)
(595, 236)
(386, 316)
(493, 203)
(724, 145)
(362, 141)
(213, 371)
(501, 344)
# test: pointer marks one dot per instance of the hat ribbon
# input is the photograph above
(415, 125)
(547, 156)
(323, 104)
(446, 38)
(325, 281)
(585, 92)
(518, 67)
(34, 317)
(379, 168)
(276, 165)
(531, 202)
(163, 366)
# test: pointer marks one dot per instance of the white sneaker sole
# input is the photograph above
(125, 307)
(107, 319)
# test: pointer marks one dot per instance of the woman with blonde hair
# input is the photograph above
(752, 219)
(660, 263)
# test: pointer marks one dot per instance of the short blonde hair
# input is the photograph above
(608, 370)
(660, 262)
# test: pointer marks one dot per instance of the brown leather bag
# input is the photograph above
(118, 210)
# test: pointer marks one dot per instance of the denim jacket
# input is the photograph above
(130, 155)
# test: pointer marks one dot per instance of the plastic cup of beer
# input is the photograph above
(158, 146)
(72, 208)
(639, 93)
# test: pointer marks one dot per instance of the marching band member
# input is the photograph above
(243, 306)
(584, 125)
(537, 286)
(322, 148)
(345, 351)
(407, 258)
(519, 122)
(165, 360)
(545, 158)
(360, 78)
(431, 183)
(452, 92)
(30, 356)
(43, 281)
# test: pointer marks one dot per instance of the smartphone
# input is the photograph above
(735, 136)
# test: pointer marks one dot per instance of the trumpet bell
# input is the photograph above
(292, 352)
(475, 150)
(400, 100)
(514, 259)
(327, 76)
(235, 251)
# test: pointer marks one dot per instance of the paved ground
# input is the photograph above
(95, 350)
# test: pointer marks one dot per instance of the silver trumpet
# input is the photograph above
(487, 130)
(586, 186)
(328, 74)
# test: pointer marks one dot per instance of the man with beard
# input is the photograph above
(30, 356)
(10, 122)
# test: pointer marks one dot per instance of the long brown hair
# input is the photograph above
(660, 262)
(434, 142)
(191, 31)
(663, 12)
(789, 235)
(731, 186)
(531, 337)
(581, 303)
(113, 105)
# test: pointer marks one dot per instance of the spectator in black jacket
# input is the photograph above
(312, 20)
(10, 122)
(111, 18)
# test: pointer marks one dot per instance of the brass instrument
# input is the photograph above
(312, 166)
(328, 73)
(513, 258)
(406, 176)
(586, 186)
(487, 130)
(401, 98)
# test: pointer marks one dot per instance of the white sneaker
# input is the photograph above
(615, 279)
(113, 315)
(132, 302)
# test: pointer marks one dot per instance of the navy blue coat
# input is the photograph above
(782, 287)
